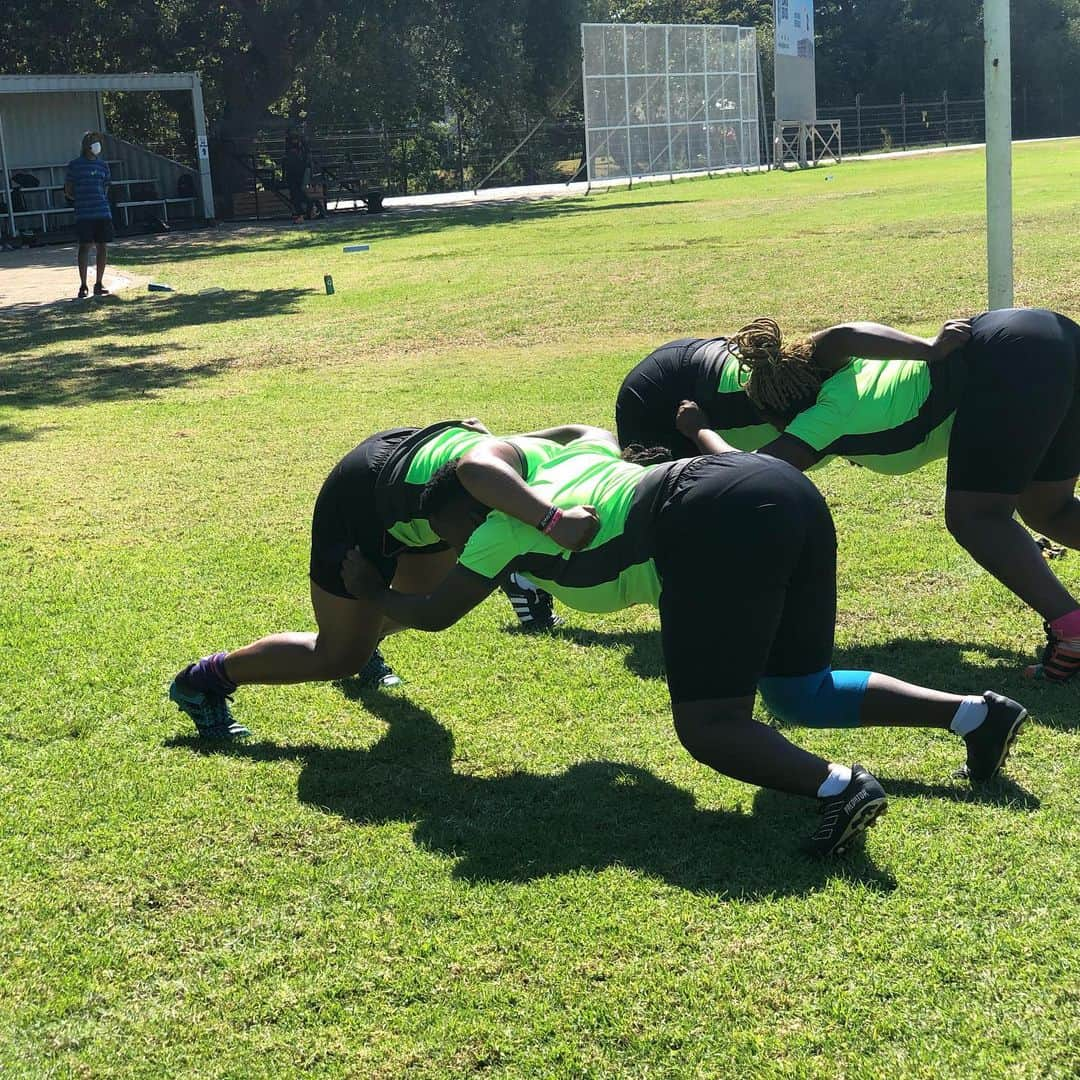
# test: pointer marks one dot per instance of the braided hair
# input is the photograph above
(782, 380)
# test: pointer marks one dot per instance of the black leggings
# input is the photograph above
(746, 551)
(1019, 419)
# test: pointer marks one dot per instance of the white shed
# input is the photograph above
(42, 119)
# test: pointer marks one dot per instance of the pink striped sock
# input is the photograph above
(1068, 626)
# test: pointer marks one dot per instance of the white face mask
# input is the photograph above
(95, 148)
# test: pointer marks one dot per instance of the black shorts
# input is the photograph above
(650, 395)
(345, 515)
(1019, 419)
(746, 551)
(95, 231)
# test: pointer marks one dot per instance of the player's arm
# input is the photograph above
(834, 347)
(567, 433)
(794, 451)
(691, 421)
(492, 474)
(459, 592)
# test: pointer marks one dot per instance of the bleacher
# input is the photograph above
(44, 209)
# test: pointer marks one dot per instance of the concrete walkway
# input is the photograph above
(45, 275)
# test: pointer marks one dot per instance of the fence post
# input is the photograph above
(945, 102)
(1026, 132)
(460, 157)
(858, 120)
(903, 121)
(1061, 110)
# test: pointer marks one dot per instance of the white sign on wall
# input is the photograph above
(795, 28)
(204, 149)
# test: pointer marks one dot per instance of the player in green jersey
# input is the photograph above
(738, 553)
(371, 501)
(1004, 409)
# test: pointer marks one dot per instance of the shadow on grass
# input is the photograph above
(392, 224)
(141, 316)
(523, 826)
(959, 667)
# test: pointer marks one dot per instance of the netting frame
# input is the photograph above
(710, 129)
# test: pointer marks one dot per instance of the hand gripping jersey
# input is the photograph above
(616, 570)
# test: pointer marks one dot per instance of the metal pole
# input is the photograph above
(945, 101)
(858, 120)
(202, 148)
(667, 89)
(998, 92)
(903, 120)
(7, 181)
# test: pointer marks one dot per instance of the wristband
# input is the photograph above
(550, 520)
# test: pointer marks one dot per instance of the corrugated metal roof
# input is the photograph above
(34, 84)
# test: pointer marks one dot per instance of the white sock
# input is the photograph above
(839, 777)
(970, 714)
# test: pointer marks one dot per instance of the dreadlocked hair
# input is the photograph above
(781, 379)
(637, 454)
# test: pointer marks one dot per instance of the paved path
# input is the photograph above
(46, 275)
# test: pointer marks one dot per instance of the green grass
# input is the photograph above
(509, 868)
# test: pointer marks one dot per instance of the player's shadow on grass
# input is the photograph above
(959, 667)
(393, 224)
(138, 316)
(522, 826)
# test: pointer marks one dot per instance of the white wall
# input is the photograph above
(46, 129)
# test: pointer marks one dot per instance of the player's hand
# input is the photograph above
(577, 528)
(690, 418)
(955, 334)
(360, 576)
(473, 424)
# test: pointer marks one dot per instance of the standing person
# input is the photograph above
(738, 552)
(87, 186)
(371, 500)
(1003, 409)
(297, 169)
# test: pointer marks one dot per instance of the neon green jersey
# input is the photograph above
(616, 570)
(891, 416)
(403, 478)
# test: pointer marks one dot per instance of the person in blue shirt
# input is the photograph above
(87, 186)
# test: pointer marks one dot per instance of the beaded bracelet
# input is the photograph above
(550, 520)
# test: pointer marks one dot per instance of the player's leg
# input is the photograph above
(800, 687)
(728, 541)
(1015, 445)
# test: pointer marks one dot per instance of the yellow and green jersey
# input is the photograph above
(416, 460)
(616, 570)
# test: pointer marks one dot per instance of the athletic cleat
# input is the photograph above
(534, 608)
(989, 744)
(211, 713)
(1060, 659)
(845, 817)
(377, 673)
(84, 292)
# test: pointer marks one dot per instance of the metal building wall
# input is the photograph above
(46, 129)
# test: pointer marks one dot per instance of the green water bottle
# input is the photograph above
(328, 281)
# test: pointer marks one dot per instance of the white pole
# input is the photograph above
(998, 87)
(202, 149)
(7, 183)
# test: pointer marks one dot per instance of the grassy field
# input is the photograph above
(508, 867)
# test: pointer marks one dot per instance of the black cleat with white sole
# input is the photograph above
(845, 817)
(989, 744)
(534, 608)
